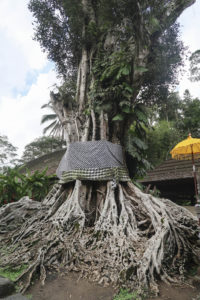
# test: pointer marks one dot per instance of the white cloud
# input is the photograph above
(20, 117)
(19, 54)
(190, 26)
(191, 23)
(16, 23)
(25, 75)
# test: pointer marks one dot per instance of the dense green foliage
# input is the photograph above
(161, 139)
(190, 121)
(14, 185)
(171, 123)
(58, 30)
(135, 144)
(41, 146)
(134, 54)
(164, 64)
(59, 26)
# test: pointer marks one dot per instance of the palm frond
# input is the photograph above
(57, 130)
(48, 117)
(49, 127)
(47, 105)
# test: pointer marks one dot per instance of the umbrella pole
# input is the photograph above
(195, 176)
(197, 206)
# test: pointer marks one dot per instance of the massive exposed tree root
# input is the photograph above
(114, 236)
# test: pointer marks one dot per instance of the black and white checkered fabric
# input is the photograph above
(92, 158)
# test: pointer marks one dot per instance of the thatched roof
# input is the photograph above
(49, 161)
(171, 170)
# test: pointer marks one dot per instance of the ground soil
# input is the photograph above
(184, 292)
(71, 287)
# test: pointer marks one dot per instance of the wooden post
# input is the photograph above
(197, 206)
(198, 184)
(195, 177)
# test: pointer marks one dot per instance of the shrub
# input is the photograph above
(14, 185)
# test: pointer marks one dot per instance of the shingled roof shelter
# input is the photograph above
(49, 161)
(174, 179)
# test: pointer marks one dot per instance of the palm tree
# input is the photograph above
(65, 94)
(55, 127)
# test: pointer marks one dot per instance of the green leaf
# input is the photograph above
(125, 70)
(126, 109)
(48, 117)
(118, 118)
(141, 69)
(141, 116)
(124, 103)
(155, 24)
(129, 89)
(139, 143)
(38, 184)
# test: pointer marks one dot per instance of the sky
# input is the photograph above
(27, 76)
(190, 32)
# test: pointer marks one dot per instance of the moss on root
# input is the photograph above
(13, 273)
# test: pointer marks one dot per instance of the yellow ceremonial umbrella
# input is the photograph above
(188, 149)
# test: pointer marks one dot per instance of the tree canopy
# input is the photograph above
(8, 153)
(41, 146)
(112, 55)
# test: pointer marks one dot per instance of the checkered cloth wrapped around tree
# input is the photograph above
(98, 161)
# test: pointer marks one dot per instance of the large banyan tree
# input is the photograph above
(95, 220)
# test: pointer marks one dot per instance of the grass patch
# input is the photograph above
(13, 273)
(126, 295)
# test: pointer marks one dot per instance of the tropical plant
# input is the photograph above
(66, 92)
(14, 185)
(55, 127)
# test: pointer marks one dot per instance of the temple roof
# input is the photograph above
(171, 170)
(49, 161)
